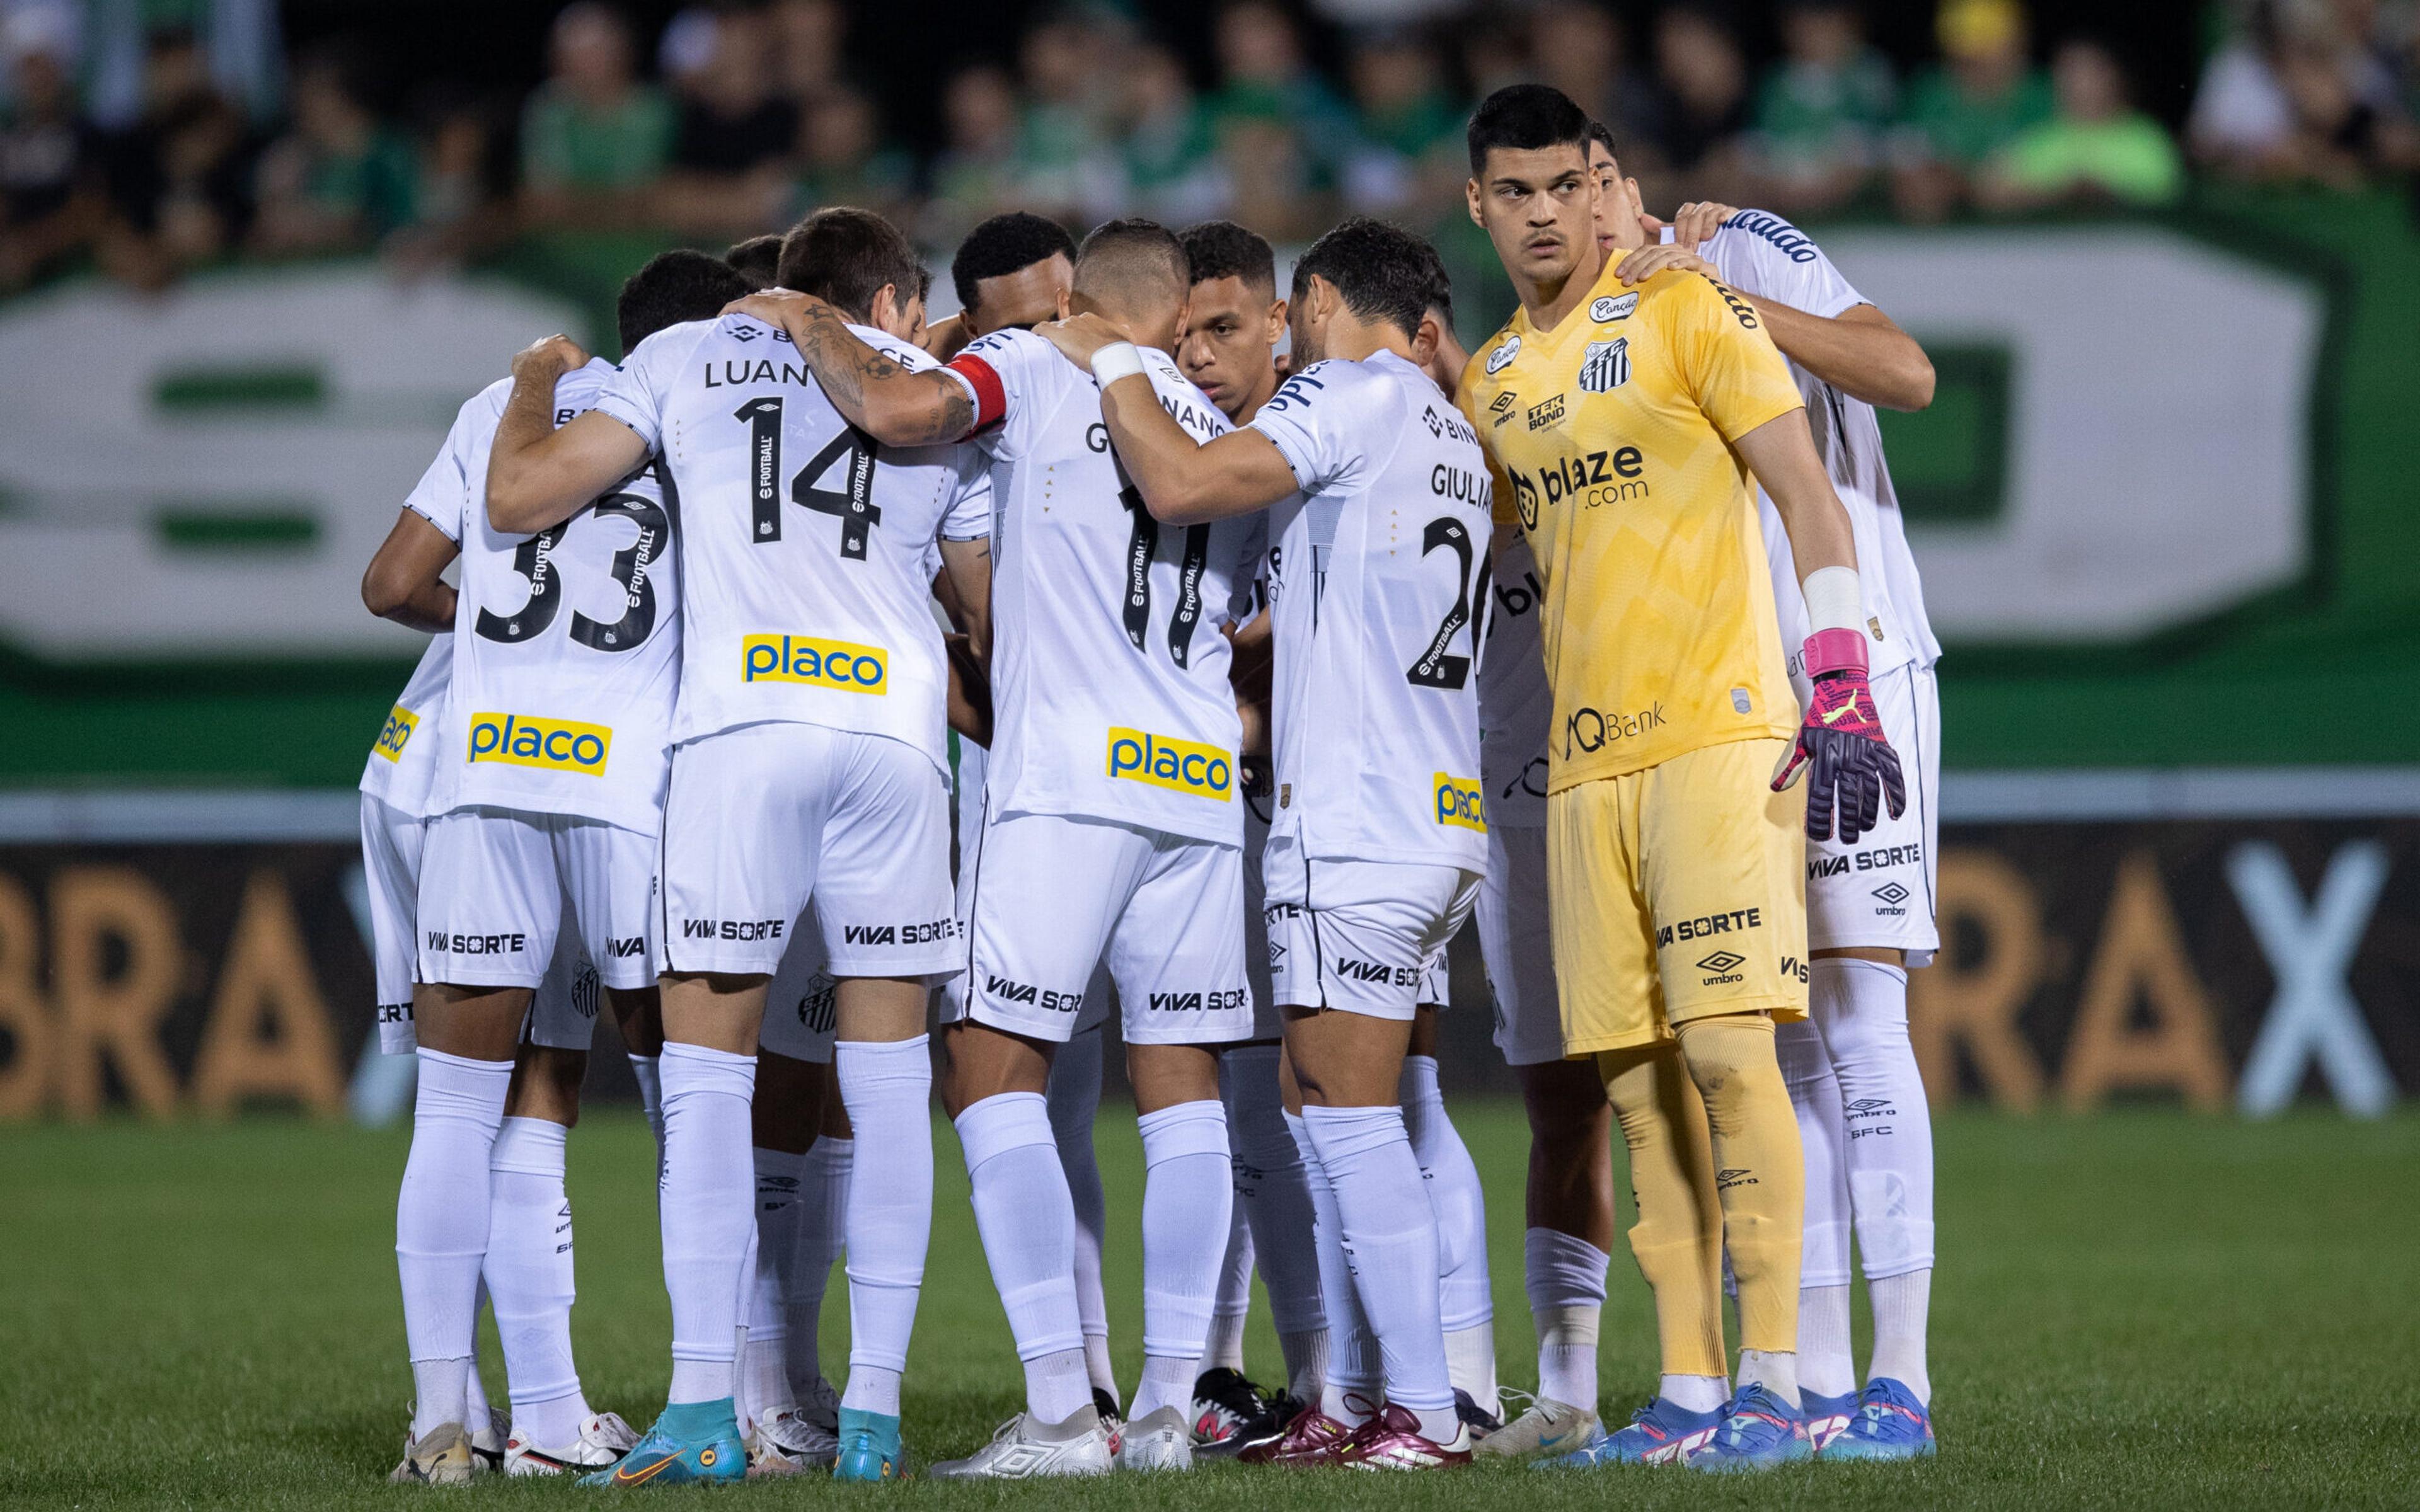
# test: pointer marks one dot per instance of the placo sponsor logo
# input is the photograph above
(843, 665)
(401, 723)
(550, 745)
(1457, 802)
(1178, 765)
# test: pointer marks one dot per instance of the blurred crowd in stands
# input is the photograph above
(149, 137)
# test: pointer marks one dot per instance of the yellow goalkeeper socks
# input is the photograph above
(1678, 1236)
(1760, 1176)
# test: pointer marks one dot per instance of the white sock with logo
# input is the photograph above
(1826, 1364)
(1188, 1200)
(1074, 1097)
(529, 1279)
(1466, 1300)
(706, 1199)
(1389, 1232)
(887, 1086)
(441, 1226)
(1273, 1192)
(764, 1361)
(823, 1207)
(1352, 1377)
(1028, 1226)
(1564, 1277)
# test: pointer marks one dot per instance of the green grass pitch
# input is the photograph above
(2140, 1310)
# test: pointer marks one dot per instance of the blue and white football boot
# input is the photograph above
(1759, 1432)
(1659, 1433)
(870, 1448)
(1827, 1417)
(691, 1443)
(1890, 1423)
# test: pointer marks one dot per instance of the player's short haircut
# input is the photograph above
(1222, 249)
(1005, 245)
(758, 258)
(1384, 272)
(1602, 134)
(1439, 301)
(1133, 264)
(673, 288)
(1524, 117)
(845, 256)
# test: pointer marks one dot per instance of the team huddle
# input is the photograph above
(1264, 675)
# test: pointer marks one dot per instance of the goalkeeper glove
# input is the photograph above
(1855, 771)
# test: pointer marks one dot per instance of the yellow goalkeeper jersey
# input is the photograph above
(1610, 439)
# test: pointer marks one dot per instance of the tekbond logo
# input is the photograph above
(1609, 308)
(1178, 765)
(401, 723)
(842, 665)
(1605, 366)
(550, 745)
(1501, 358)
(1549, 411)
(1457, 803)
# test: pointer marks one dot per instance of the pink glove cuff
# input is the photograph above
(1835, 651)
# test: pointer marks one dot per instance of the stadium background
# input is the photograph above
(2162, 503)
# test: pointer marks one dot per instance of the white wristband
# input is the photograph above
(1118, 360)
(1834, 600)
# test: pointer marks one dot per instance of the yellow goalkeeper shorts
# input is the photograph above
(1675, 893)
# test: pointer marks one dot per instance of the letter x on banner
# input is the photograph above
(2314, 1015)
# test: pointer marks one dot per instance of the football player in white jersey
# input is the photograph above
(1380, 546)
(544, 799)
(1852, 1072)
(1110, 829)
(810, 760)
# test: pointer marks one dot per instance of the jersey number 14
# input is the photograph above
(852, 503)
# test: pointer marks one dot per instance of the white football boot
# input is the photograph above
(1159, 1440)
(440, 1456)
(1025, 1450)
(604, 1439)
(789, 1442)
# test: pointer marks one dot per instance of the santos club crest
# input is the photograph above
(1606, 365)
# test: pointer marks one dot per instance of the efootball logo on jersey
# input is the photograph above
(1606, 365)
(401, 723)
(842, 665)
(550, 745)
(1178, 765)
(1457, 803)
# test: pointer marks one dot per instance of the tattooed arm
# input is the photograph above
(879, 397)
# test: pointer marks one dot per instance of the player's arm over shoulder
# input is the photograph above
(1719, 350)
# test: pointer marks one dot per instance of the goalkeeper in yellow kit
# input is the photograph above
(1627, 428)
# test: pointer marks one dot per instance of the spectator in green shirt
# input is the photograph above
(1409, 129)
(2096, 149)
(1978, 99)
(1821, 113)
(341, 181)
(593, 138)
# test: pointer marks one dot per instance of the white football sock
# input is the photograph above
(887, 1086)
(649, 1070)
(1224, 1347)
(1389, 1232)
(1352, 1374)
(1694, 1394)
(529, 1271)
(476, 1415)
(763, 1359)
(1074, 1098)
(1826, 1366)
(1900, 1303)
(441, 1226)
(1188, 1199)
(823, 1208)
(1776, 1372)
(1028, 1226)
(1565, 1278)
(1273, 1190)
(706, 1199)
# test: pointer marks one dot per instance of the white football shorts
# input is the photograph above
(1360, 935)
(761, 818)
(1880, 891)
(1516, 944)
(1048, 896)
(802, 1012)
(498, 887)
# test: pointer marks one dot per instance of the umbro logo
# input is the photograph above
(1867, 1104)
(1737, 1176)
(1891, 892)
(1720, 962)
(746, 333)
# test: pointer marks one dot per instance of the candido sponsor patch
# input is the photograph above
(554, 744)
(1457, 802)
(843, 665)
(1178, 765)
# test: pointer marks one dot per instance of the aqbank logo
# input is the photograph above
(1178, 765)
(1457, 803)
(798, 658)
(401, 723)
(552, 745)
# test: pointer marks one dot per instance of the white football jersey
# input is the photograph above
(1517, 703)
(1760, 253)
(1108, 673)
(566, 643)
(1378, 578)
(403, 760)
(802, 540)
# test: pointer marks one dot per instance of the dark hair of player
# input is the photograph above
(845, 256)
(673, 288)
(1005, 245)
(1525, 118)
(1440, 295)
(1132, 264)
(758, 258)
(1222, 249)
(1602, 134)
(1384, 272)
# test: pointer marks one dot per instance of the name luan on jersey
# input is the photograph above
(804, 543)
(1378, 579)
(567, 642)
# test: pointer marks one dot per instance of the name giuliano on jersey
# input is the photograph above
(1765, 255)
(1378, 578)
(1110, 691)
(803, 542)
(567, 642)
